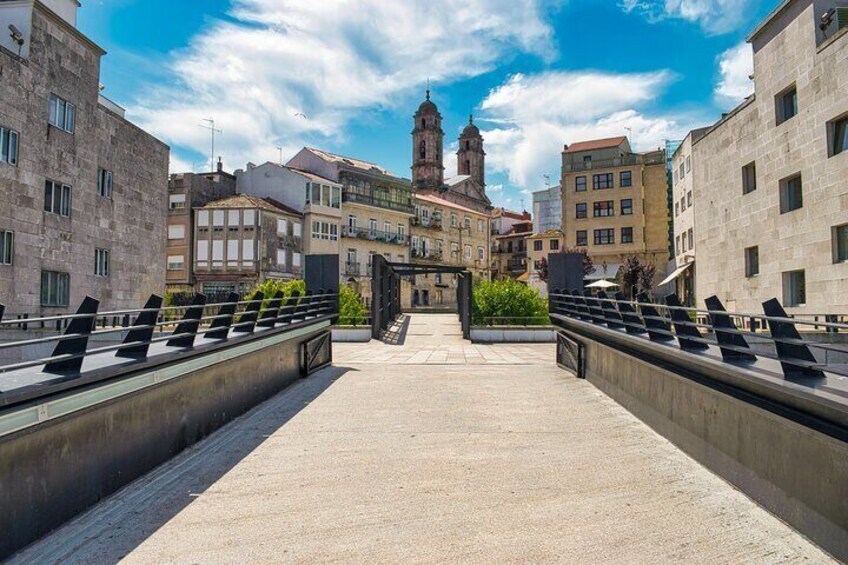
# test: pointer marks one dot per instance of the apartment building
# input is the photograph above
(187, 191)
(683, 204)
(539, 247)
(243, 240)
(446, 233)
(547, 209)
(85, 192)
(317, 198)
(376, 211)
(509, 255)
(614, 204)
(770, 181)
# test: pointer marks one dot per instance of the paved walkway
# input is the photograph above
(484, 462)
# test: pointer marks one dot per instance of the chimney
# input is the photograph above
(220, 165)
(65, 9)
(250, 166)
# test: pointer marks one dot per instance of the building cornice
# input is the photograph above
(56, 19)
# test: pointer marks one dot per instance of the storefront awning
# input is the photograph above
(677, 272)
(608, 272)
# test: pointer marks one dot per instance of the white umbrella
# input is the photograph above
(601, 284)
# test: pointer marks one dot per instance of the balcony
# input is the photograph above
(625, 161)
(375, 235)
(516, 266)
(429, 255)
(433, 223)
(368, 200)
(352, 268)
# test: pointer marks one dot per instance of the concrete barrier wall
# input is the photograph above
(506, 334)
(793, 470)
(51, 471)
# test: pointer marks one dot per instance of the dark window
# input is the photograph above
(605, 236)
(603, 180)
(627, 207)
(840, 243)
(101, 262)
(509, 246)
(57, 198)
(7, 247)
(749, 178)
(423, 123)
(8, 146)
(55, 288)
(538, 245)
(791, 194)
(422, 150)
(581, 210)
(838, 132)
(104, 183)
(786, 104)
(603, 209)
(554, 244)
(752, 261)
(582, 238)
(626, 235)
(794, 288)
(467, 145)
(580, 184)
(587, 158)
(626, 178)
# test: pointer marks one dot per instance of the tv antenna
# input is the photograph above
(547, 180)
(210, 125)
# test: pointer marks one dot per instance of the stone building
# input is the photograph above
(85, 192)
(243, 240)
(683, 274)
(319, 200)
(770, 182)
(615, 204)
(376, 209)
(509, 255)
(187, 191)
(547, 209)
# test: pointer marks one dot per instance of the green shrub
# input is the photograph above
(507, 303)
(352, 312)
(271, 286)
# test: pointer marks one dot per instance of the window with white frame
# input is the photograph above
(468, 252)
(176, 231)
(178, 202)
(281, 257)
(7, 247)
(480, 253)
(63, 114)
(101, 262)
(296, 259)
(176, 262)
(297, 229)
(203, 218)
(481, 226)
(57, 198)
(55, 288)
(282, 226)
(104, 183)
(8, 146)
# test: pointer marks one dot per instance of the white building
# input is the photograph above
(547, 209)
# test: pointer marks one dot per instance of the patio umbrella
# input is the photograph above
(601, 284)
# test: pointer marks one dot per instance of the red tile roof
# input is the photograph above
(446, 203)
(595, 144)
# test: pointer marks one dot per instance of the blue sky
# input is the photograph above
(535, 73)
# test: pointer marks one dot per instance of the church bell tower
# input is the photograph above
(471, 159)
(428, 172)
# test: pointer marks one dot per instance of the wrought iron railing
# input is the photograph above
(694, 330)
(624, 161)
(352, 268)
(401, 206)
(178, 327)
(375, 235)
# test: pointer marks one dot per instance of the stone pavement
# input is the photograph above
(481, 462)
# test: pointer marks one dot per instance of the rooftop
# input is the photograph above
(547, 234)
(595, 144)
(446, 203)
(250, 201)
(350, 161)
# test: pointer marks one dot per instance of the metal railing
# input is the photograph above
(404, 206)
(696, 330)
(178, 326)
(375, 235)
(627, 160)
(352, 268)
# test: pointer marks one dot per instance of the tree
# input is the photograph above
(636, 276)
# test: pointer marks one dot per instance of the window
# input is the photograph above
(178, 202)
(682, 172)
(688, 163)
(626, 178)
(316, 230)
(295, 259)
(682, 203)
(626, 235)
(467, 225)
(468, 252)
(282, 226)
(677, 208)
(677, 250)
(351, 221)
(794, 288)
(55, 288)
(627, 207)
(101, 262)
(479, 253)
(582, 238)
(840, 244)
(176, 232)
(791, 197)
(689, 199)
(62, 114)
(7, 247)
(297, 229)
(580, 184)
(481, 227)
(336, 201)
(605, 236)
(176, 262)
(316, 194)
(603, 208)
(603, 180)
(454, 221)
(752, 261)
(401, 231)
(691, 238)
(104, 183)
(8, 146)
(837, 131)
(581, 210)
(786, 104)
(538, 245)
(749, 178)
(57, 198)
(387, 227)
(683, 240)
(554, 244)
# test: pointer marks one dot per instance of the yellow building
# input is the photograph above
(614, 204)
(539, 247)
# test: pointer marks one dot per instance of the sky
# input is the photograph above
(347, 75)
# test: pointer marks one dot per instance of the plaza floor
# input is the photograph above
(433, 451)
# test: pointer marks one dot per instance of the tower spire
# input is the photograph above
(428, 88)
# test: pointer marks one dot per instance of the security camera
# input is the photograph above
(16, 34)
(827, 19)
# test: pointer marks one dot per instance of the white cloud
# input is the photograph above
(736, 66)
(330, 60)
(714, 16)
(534, 116)
(494, 188)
